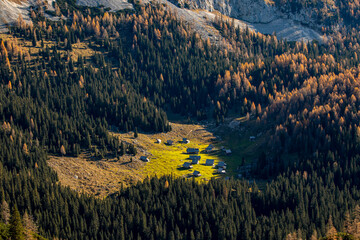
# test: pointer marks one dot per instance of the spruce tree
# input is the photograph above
(16, 229)
(136, 133)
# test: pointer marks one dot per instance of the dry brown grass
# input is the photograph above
(79, 49)
(19, 42)
(100, 177)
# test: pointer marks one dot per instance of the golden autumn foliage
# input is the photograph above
(62, 150)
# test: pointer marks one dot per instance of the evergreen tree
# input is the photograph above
(135, 133)
(16, 229)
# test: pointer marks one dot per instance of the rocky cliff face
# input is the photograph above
(114, 5)
(254, 11)
(10, 11)
(262, 16)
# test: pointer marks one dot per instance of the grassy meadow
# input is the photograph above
(105, 176)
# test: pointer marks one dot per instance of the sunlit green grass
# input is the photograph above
(169, 160)
(166, 160)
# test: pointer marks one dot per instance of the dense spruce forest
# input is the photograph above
(147, 63)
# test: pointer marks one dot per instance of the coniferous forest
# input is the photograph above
(147, 63)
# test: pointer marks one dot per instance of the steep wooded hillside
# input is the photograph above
(147, 63)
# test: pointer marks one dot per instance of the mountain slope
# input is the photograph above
(244, 9)
(266, 19)
(303, 98)
(263, 17)
(10, 11)
(114, 5)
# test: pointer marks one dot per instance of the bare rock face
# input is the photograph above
(262, 16)
(114, 5)
(10, 11)
(254, 11)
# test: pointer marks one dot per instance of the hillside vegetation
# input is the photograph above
(301, 101)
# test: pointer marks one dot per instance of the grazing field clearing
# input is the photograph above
(102, 177)
(105, 176)
(168, 159)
